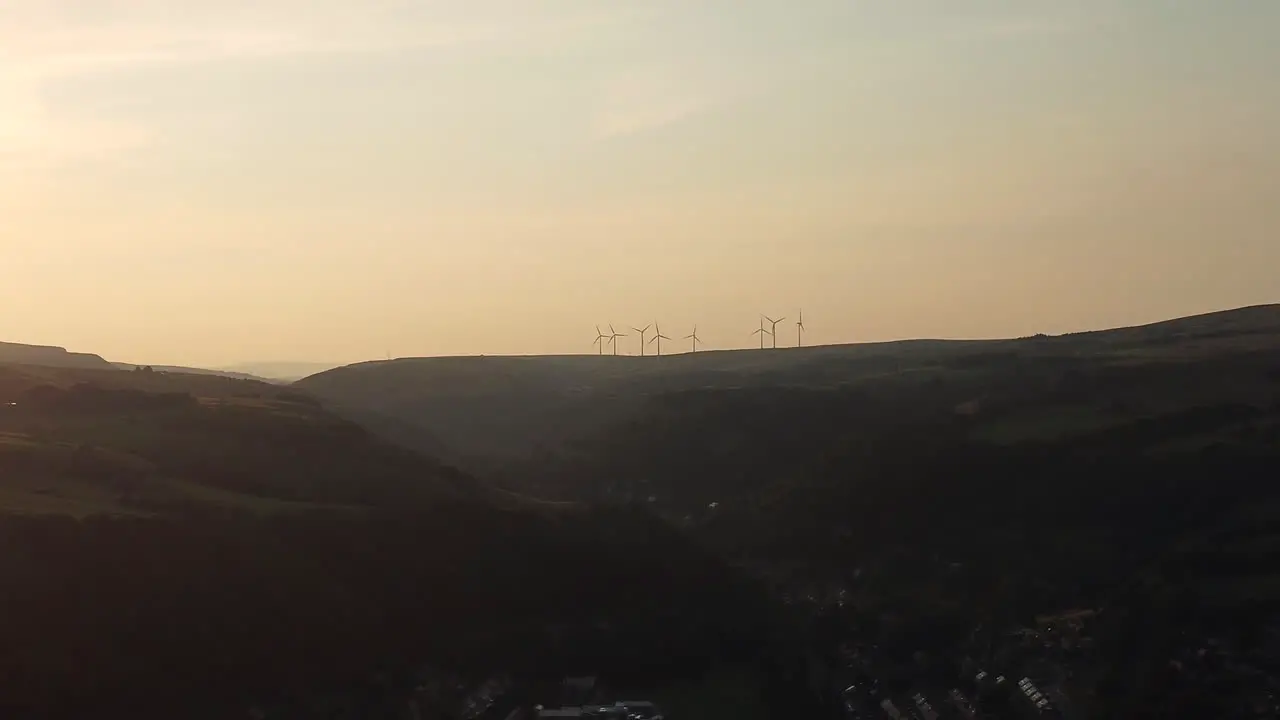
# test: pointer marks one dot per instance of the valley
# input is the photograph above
(835, 527)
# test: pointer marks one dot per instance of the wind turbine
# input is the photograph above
(642, 332)
(659, 337)
(773, 332)
(761, 332)
(613, 339)
(694, 337)
(800, 330)
(601, 339)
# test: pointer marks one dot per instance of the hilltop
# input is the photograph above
(486, 412)
(48, 356)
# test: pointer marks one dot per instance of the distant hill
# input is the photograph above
(48, 356)
(192, 371)
(484, 412)
(280, 371)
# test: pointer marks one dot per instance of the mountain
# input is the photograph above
(49, 356)
(243, 544)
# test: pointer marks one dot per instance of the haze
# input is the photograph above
(210, 181)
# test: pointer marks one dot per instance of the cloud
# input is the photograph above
(32, 137)
(650, 97)
(1061, 20)
(44, 43)
(150, 32)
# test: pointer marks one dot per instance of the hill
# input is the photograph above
(190, 371)
(15, 353)
(245, 545)
(926, 488)
(280, 371)
(487, 412)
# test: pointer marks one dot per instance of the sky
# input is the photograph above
(206, 182)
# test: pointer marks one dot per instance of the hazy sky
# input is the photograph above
(208, 181)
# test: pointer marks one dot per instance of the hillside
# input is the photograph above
(14, 353)
(190, 371)
(932, 486)
(484, 413)
(145, 429)
(244, 544)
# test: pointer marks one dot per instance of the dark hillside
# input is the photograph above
(193, 543)
(152, 615)
(930, 492)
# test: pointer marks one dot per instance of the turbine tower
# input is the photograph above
(601, 339)
(761, 332)
(613, 339)
(642, 332)
(800, 330)
(694, 337)
(659, 337)
(774, 331)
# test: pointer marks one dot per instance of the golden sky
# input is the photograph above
(210, 181)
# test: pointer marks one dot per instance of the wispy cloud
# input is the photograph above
(1057, 20)
(650, 97)
(44, 43)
